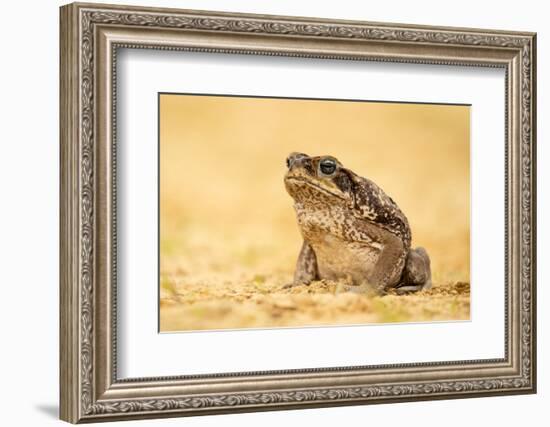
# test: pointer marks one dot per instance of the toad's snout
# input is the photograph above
(296, 160)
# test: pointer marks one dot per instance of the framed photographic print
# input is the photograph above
(265, 212)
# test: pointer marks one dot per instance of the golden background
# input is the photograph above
(228, 233)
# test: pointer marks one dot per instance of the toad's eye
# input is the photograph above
(288, 162)
(327, 166)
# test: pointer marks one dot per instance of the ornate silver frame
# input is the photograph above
(90, 36)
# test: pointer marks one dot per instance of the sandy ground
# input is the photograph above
(257, 304)
(228, 233)
(231, 283)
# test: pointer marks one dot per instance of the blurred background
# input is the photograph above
(227, 224)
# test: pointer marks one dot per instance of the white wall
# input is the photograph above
(29, 170)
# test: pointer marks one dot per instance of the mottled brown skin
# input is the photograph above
(352, 230)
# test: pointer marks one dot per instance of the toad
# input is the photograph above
(352, 230)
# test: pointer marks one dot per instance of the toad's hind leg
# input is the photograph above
(417, 274)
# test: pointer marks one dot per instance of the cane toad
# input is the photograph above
(351, 229)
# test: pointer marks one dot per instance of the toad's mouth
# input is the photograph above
(323, 190)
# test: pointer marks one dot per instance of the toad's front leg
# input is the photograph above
(306, 266)
(391, 261)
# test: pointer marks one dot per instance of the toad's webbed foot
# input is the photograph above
(417, 274)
